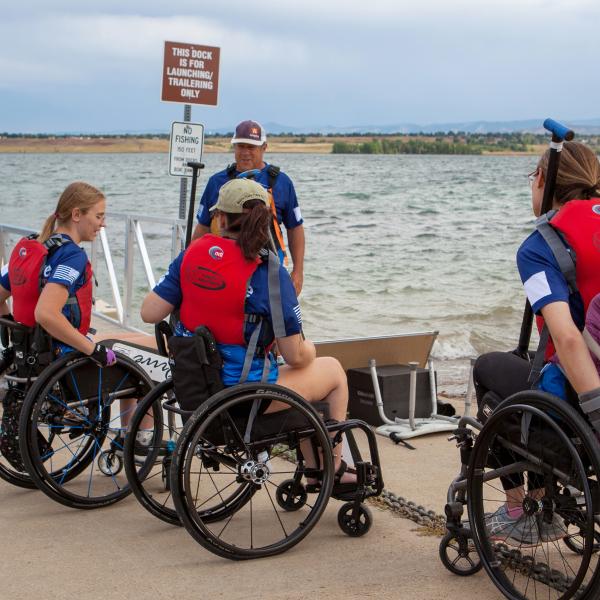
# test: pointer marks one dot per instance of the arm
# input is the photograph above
(296, 243)
(4, 296)
(296, 351)
(199, 231)
(155, 309)
(48, 313)
(571, 348)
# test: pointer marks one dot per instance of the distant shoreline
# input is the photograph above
(126, 145)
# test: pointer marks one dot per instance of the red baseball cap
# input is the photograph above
(249, 132)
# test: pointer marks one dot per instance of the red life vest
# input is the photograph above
(214, 279)
(578, 221)
(26, 275)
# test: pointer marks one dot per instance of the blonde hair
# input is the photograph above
(79, 195)
(578, 173)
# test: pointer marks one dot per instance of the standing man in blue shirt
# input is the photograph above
(249, 146)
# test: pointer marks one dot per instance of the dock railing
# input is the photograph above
(121, 282)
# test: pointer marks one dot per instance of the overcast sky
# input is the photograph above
(95, 66)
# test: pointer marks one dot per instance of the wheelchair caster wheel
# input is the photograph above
(456, 554)
(291, 499)
(110, 464)
(354, 526)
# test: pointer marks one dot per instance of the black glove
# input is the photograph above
(590, 405)
(103, 356)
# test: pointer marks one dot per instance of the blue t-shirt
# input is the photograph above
(284, 194)
(543, 280)
(544, 283)
(65, 266)
(257, 303)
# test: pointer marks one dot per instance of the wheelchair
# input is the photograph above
(235, 472)
(544, 445)
(70, 426)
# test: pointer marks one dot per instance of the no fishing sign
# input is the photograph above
(186, 146)
(190, 74)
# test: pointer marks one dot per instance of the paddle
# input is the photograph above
(560, 133)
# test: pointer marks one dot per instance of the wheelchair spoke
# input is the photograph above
(276, 511)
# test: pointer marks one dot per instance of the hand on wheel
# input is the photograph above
(103, 356)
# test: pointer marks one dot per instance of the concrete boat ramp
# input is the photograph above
(50, 551)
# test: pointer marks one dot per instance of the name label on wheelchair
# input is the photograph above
(155, 365)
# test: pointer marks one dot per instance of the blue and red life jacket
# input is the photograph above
(214, 281)
(573, 235)
(26, 268)
(214, 278)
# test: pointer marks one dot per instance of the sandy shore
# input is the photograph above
(83, 144)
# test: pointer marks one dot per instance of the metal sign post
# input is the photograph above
(187, 117)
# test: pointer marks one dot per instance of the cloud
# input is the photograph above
(84, 44)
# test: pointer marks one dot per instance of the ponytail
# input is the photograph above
(48, 228)
(252, 227)
(578, 173)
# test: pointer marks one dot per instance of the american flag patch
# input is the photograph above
(298, 313)
(66, 273)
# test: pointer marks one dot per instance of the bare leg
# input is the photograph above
(324, 380)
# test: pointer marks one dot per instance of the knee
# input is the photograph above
(333, 368)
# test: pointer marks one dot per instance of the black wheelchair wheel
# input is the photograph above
(459, 555)
(149, 448)
(81, 410)
(291, 495)
(354, 520)
(541, 448)
(256, 435)
(12, 471)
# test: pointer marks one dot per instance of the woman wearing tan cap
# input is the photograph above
(238, 289)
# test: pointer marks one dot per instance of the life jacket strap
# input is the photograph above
(564, 256)
(538, 360)
(250, 350)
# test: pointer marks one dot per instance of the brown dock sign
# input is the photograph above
(190, 74)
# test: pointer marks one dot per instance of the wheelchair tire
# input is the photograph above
(458, 554)
(72, 404)
(149, 474)
(551, 454)
(232, 440)
(291, 496)
(9, 472)
(353, 520)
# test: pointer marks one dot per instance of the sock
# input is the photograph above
(144, 437)
(515, 512)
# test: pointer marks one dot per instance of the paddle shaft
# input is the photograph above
(559, 133)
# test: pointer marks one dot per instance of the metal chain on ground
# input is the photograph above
(431, 523)
(434, 524)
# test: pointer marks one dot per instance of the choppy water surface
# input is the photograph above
(394, 243)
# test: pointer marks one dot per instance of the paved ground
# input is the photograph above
(49, 551)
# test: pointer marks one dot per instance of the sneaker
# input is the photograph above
(550, 532)
(502, 527)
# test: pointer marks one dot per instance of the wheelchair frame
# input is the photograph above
(85, 435)
(572, 497)
(291, 495)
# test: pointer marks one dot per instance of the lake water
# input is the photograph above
(393, 243)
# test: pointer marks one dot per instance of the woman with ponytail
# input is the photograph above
(232, 285)
(559, 265)
(63, 307)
